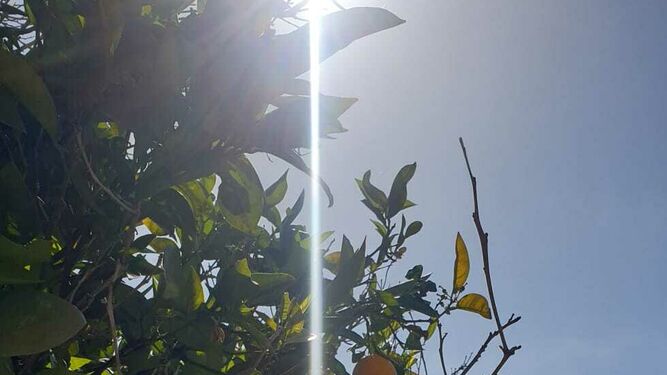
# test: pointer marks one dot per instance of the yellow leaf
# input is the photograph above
(461, 265)
(332, 261)
(153, 227)
(476, 303)
(146, 10)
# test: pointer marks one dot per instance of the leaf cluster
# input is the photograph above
(135, 235)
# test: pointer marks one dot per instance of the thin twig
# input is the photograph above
(110, 193)
(441, 348)
(484, 242)
(491, 336)
(112, 319)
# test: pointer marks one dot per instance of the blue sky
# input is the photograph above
(562, 105)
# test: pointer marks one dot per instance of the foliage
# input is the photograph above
(135, 235)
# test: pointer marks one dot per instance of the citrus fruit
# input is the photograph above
(374, 365)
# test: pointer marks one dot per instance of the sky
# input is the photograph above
(563, 108)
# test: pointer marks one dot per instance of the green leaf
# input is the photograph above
(37, 251)
(275, 193)
(417, 304)
(17, 206)
(476, 303)
(142, 242)
(194, 293)
(293, 158)
(375, 196)
(17, 76)
(9, 114)
(76, 363)
(293, 212)
(285, 307)
(6, 367)
(138, 265)
(332, 261)
(461, 264)
(32, 322)
(161, 244)
(387, 298)
(399, 190)
(415, 272)
(13, 274)
(240, 195)
(413, 342)
(350, 272)
(289, 127)
(413, 228)
(352, 336)
(242, 268)
(406, 288)
(268, 288)
(431, 329)
(272, 215)
(270, 281)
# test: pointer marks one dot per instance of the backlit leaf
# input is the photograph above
(276, 192)
(475, 303)
(332, 261)
(461, 264)
(193, 289)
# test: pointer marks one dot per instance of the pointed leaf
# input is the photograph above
(240, 195)
(399, 189)
(194, 293)
(276, 192)
(290, 52)
(22, 81)
(461, 264)
(332, 261)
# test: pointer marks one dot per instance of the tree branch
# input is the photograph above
(482, 348)
(441, 348)
(112, 319)
(484, 242)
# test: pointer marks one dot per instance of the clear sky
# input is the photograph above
(563, 107)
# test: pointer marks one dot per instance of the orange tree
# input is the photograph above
(135, 235)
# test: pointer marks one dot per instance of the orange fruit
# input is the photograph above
(374, 365)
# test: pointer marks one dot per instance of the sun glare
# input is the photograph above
(316, 344)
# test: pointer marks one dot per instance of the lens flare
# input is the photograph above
(316, 344)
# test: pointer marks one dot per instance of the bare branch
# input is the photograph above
(484, 242)
(441, 348)
(488, 340)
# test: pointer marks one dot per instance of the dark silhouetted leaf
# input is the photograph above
(240, 195)
(399, 190)
(290, 51)
(32, 322)
(20, 79)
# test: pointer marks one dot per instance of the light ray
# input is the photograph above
(316, 344)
